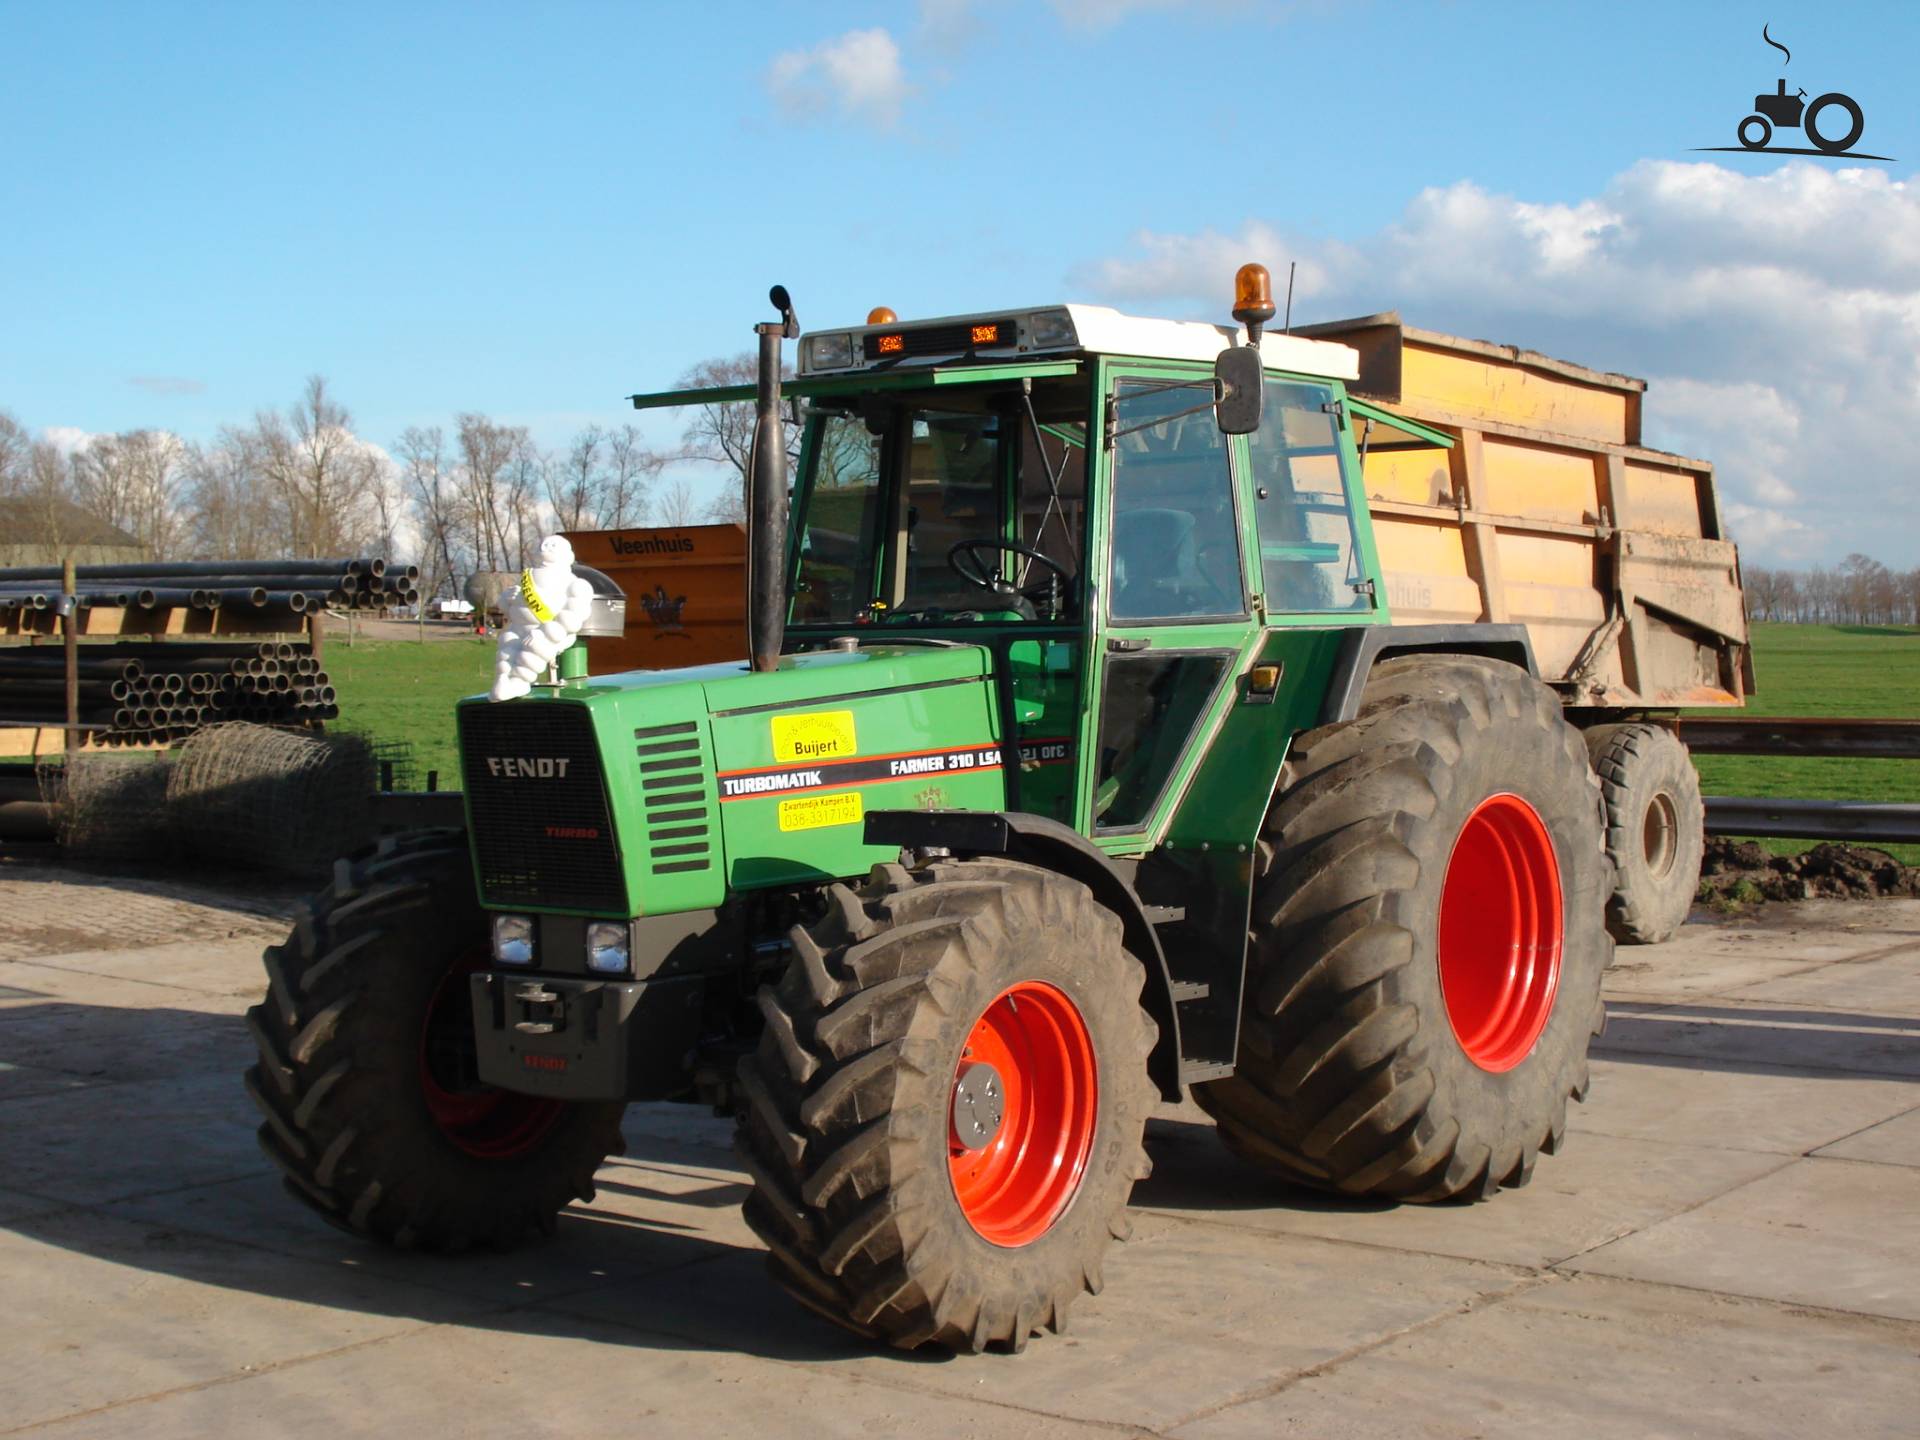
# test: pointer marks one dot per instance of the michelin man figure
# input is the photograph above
(544, 614)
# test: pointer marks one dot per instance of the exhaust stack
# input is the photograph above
(767, 495)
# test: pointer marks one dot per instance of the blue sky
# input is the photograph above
(533, 211)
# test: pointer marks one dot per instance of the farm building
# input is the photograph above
(41, 531)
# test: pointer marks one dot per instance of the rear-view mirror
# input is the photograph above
(1238, 389)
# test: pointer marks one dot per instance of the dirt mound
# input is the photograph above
(1745, 870)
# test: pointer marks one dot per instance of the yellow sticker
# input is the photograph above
(810, 812)
(823, 735)
(542, 611)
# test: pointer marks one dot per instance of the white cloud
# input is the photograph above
(855, 76)
(1777, 316)
(942, 20)
(68, 439)
(167, 384)
(1105, 14)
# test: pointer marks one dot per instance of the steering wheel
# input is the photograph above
(964, 559)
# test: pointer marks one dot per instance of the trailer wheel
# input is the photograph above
(943, 1119)
(365, 1069)
(1427, 944)
(1656, 828)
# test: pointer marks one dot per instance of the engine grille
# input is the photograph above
(672, 782)
(541, 830)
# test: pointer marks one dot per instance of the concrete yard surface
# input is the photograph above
(1729, 1243)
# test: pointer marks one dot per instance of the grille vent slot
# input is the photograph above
(673, 790)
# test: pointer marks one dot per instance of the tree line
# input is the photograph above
(1858, 591)
(476, 494)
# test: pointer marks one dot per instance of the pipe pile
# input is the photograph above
(145, 693)
(295, 586)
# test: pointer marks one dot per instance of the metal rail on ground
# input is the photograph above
(1800, 735)
(1851, 821)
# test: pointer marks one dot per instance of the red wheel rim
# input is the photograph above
(487, 1123)
(1013, 1190)
(1500, 932)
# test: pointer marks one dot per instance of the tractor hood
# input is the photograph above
(655, 792)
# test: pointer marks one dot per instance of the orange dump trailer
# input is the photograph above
(686, 590)
(1521, 493)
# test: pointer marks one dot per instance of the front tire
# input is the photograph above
(1428, 939)
(364, 1077)
(977, 994)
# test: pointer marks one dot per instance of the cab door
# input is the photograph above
(1173, 596)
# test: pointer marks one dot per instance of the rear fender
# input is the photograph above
(1364, 647)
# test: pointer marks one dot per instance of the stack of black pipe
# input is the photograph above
(294, 586)
(142, 693)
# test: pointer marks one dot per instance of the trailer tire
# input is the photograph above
(365, 1112)
(1440, 829)
(1656, 829)
(851, 1104)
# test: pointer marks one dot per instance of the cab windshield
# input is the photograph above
(962, 505)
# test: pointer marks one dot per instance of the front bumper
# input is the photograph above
(581, 1039)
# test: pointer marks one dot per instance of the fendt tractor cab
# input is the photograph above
(1075, 767)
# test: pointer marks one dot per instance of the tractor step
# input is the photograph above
(1192, 1072)
(1185, 990)
(1164, 914)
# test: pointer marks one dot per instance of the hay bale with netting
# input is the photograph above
(272, 799)
(112, 807)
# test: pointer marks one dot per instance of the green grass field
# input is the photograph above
(401, 692)
(1868, 670)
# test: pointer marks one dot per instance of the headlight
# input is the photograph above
(607, 949)
(1047, 329)
(829, 352)
(513, 939)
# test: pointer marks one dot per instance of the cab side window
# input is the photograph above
(1307, 556)
(1176, 552)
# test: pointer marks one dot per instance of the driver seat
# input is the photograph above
(1153, 563)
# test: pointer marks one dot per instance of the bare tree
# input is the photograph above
(132, 481)
(631, 470)
(677, 504)
(577, 484)
(728, 507)
(1859, 591)
(722, 433)
(425, 472)
(486, 450)
(229, 510)
(323, 474)
(526, 477)
(14, 445)
(389, 502)
(44, 481)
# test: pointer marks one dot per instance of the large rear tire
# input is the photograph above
(1656, 829)
(977, 994)
(365, 1071)
(1427, 945)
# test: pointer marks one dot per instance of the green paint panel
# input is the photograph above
(1232, 784)
(806, 752)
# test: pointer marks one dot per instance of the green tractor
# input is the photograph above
(1075, 769)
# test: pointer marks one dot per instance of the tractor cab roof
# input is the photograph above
(951, 349)
(1008, 335)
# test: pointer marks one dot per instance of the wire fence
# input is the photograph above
(249, 796)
